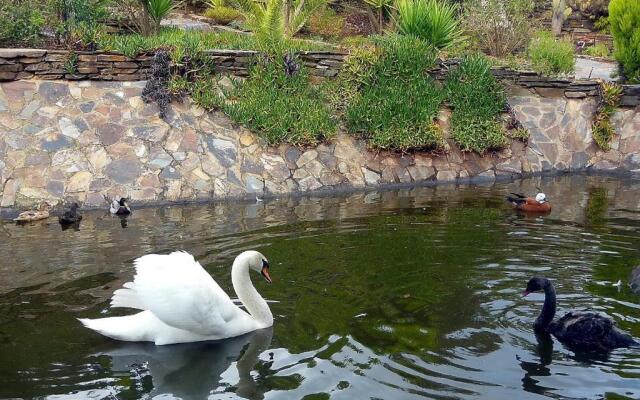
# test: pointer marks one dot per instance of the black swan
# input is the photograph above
(586, 331)
(71, 216)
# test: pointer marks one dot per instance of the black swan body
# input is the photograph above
(584, 331)
(71, 216)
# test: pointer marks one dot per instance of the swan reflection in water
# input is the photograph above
(532, 369)
(194, 370)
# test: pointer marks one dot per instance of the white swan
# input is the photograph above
(182, 303)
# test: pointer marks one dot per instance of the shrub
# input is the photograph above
(550, 56)
(395, 103)
(431, 20)
(598, 50)
(477, 100)
(498, 27)
(603, 131)
(20, 22)
(624, 17)
(222, 15)
(281, 108)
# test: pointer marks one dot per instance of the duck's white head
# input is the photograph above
(258, 263)
(541, 198)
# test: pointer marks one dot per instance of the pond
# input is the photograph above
(399, 294)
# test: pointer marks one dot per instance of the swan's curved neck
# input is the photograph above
(248, 295)
(548, 309)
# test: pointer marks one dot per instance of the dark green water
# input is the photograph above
(389, 295)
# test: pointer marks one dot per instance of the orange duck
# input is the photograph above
(529, 204)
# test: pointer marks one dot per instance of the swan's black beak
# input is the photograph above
(525, 293)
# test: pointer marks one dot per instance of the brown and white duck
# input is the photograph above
(538, 204)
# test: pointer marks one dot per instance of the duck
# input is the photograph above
(71, 216)
(579, 331)
(35, 215)
(537, 204)
(120, 207)
(181, 303)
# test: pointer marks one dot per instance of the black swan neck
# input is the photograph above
(548, 309)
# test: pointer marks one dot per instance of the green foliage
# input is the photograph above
(381, 7)
(391, 101)
(521, 134)
(20, 22)
(159, 9)
(550, 56)
(603, 130)
(598, 50)
(281, 108)
(272, 20)
(189, 42)
(602, 24)
(433, 21)
(477, 100)
(498, 27)
(204, 91)
(624, 17)
(71, 63)
(222, 15)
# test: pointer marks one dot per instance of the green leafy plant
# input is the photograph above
(551, 56)
(274, 19)
(624, 17)
(602, 129)
(158, 10)
(71, 63)
(598, 50)
(222, 15)
(20, 22)
(391, 100)
(281, 108)
(602, 24)
(433, 21)
(498, 27)
(477, 100)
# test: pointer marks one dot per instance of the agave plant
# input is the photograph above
(433, 21)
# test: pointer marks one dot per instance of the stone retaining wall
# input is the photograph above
(84, 141)
(16, 64)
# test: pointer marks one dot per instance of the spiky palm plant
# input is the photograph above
(433, 21)
(276, 18)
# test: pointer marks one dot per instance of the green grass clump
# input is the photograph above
(391, 100)
(326, 23)
(624, 18)
(602, 129)
(477, 100)
(598, 50)
(281, 108)
(222, 15)
(190, 42)
(550, 56)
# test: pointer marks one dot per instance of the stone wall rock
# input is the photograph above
(67, 140)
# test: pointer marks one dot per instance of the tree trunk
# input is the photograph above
(380, 25)
(558, 16)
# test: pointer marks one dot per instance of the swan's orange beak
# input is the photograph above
(265, 273)
(525, 293)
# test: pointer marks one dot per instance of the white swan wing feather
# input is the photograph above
(179, 292)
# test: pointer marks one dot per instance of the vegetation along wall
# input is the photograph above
(84, 140)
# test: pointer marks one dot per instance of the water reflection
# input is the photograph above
(390, 294)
